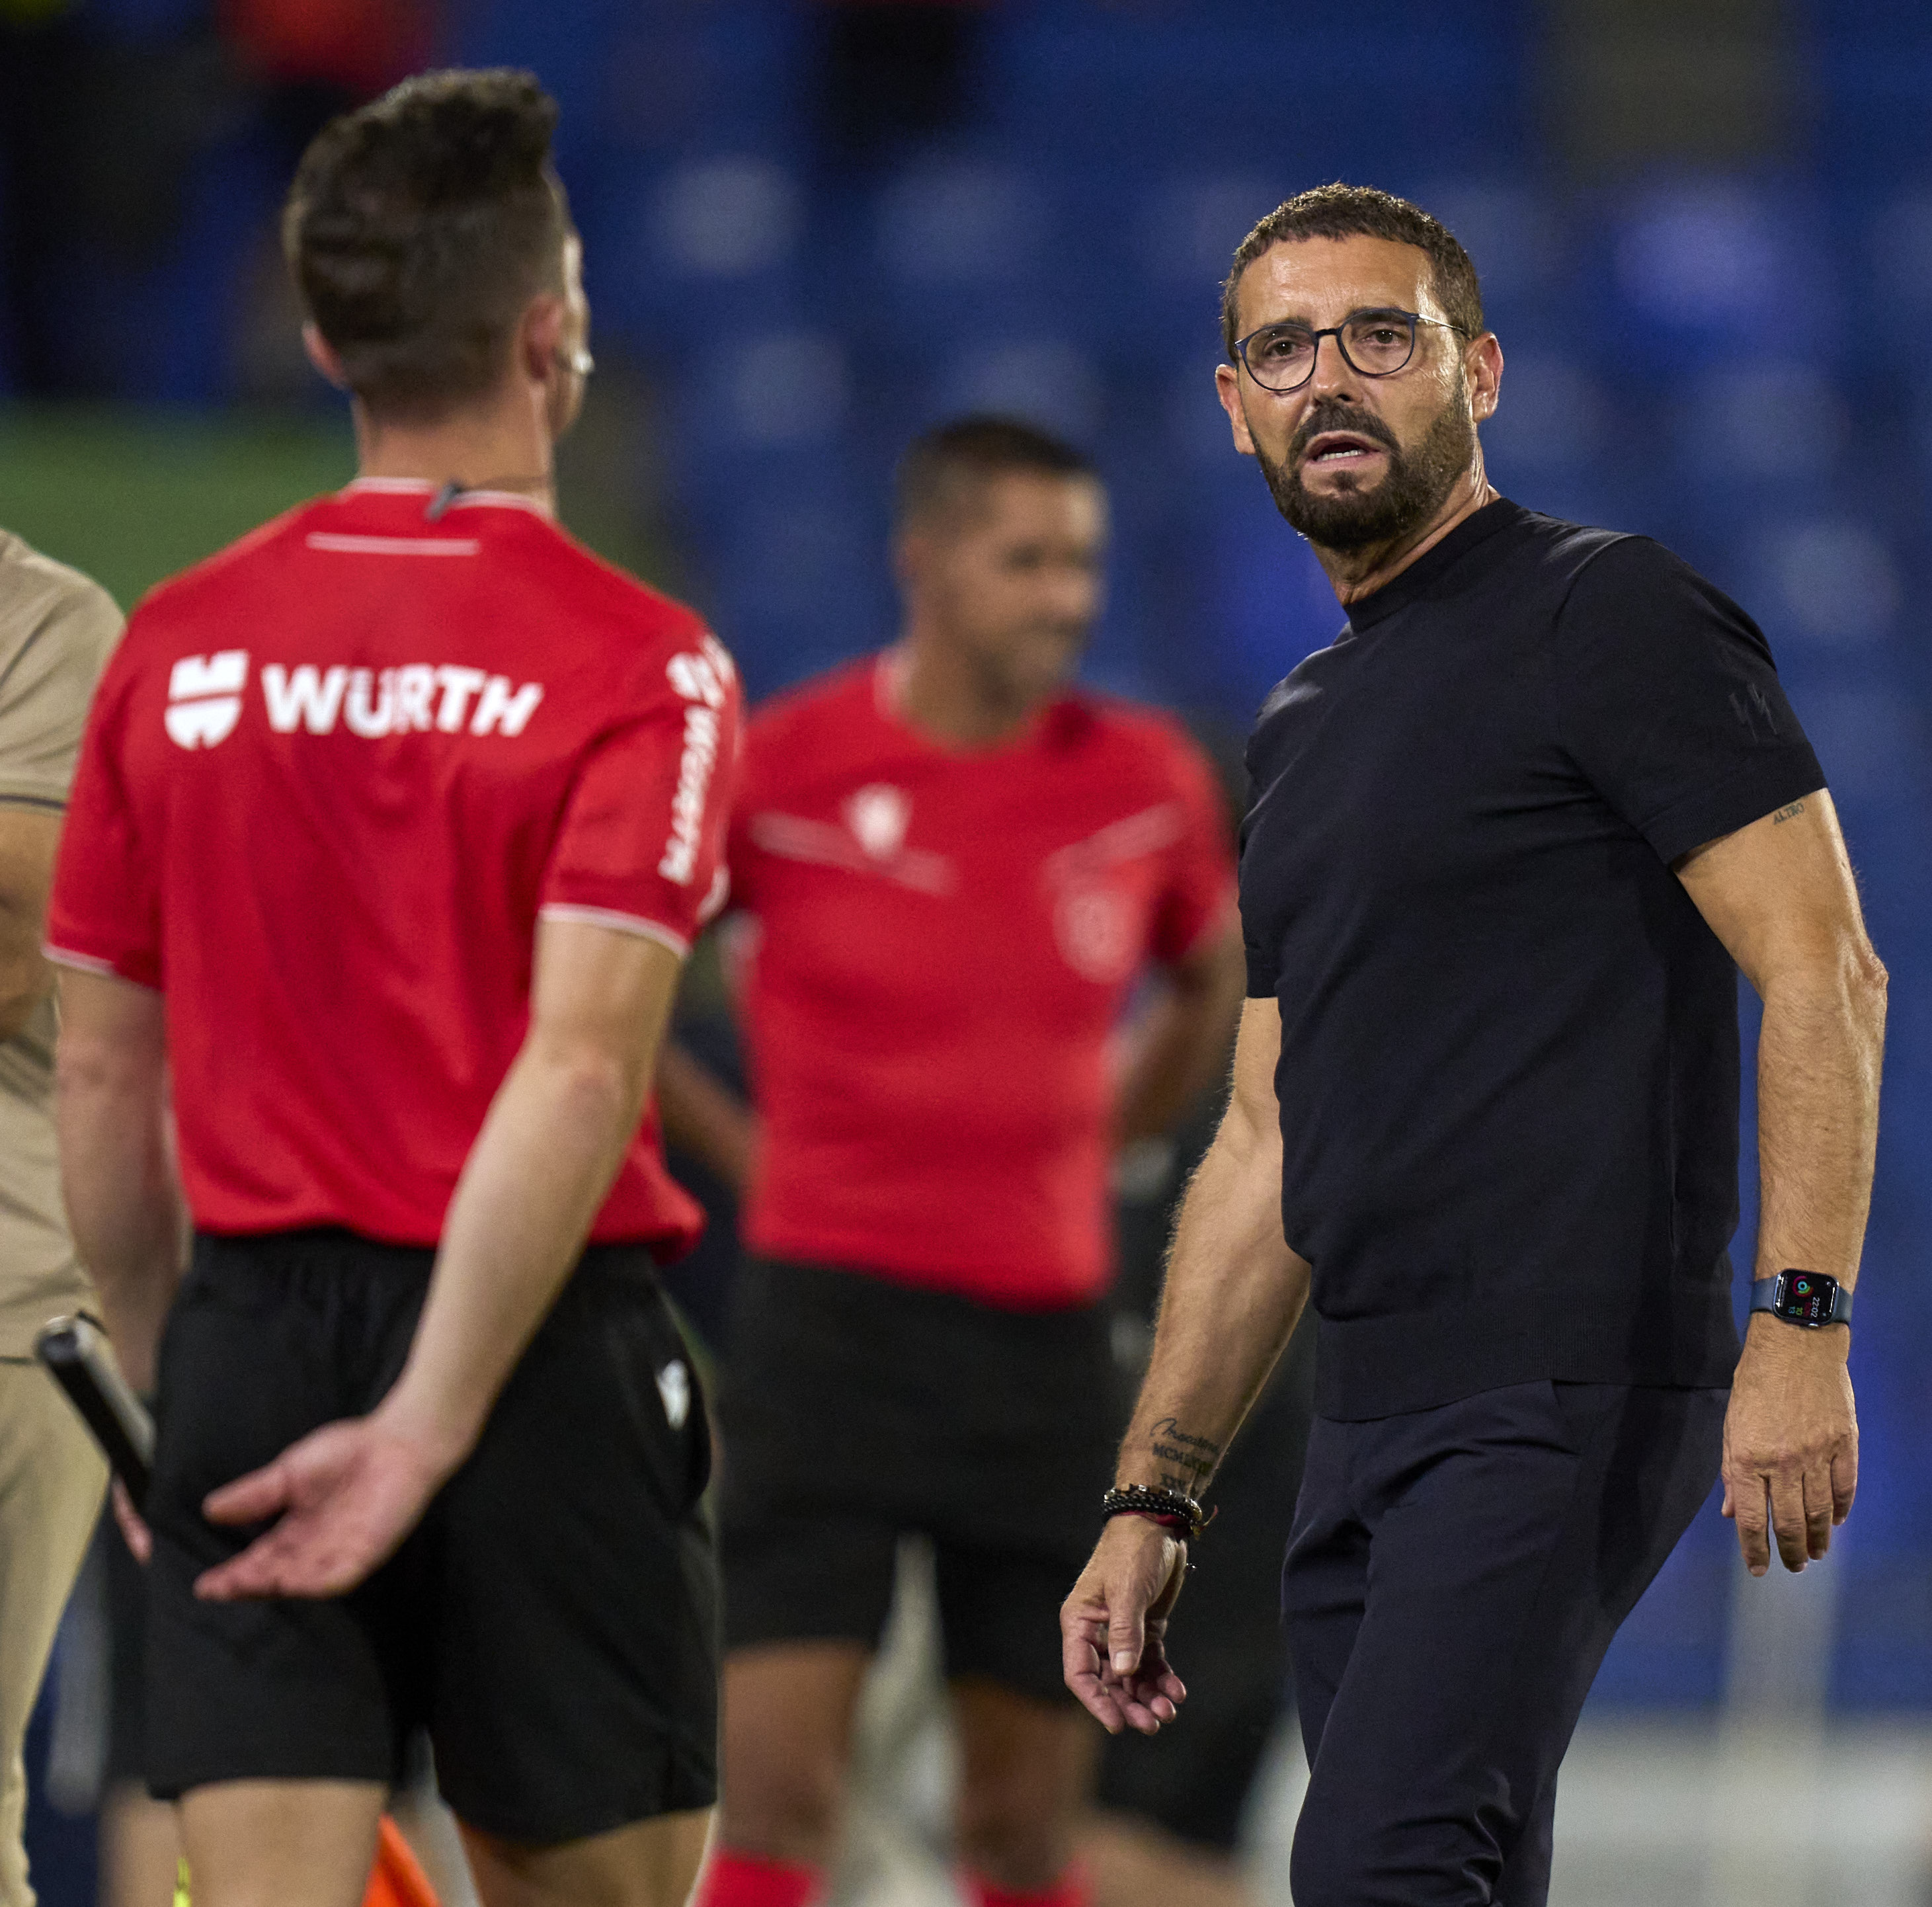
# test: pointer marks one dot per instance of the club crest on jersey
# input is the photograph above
(205, 697)
(1094, 925)
(1097, 925)
(878, 815)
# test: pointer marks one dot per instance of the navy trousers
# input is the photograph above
(1454, 1578)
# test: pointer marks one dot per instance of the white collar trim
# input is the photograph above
(464, 499)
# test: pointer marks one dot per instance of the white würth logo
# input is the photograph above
(205, 697)
(373, 703)
(703, 677)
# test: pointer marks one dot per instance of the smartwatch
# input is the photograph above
(1813, 1299)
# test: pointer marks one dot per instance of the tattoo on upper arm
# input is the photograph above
(1189, 1458)
(1784, 814)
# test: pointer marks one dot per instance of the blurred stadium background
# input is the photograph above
(1705, 229)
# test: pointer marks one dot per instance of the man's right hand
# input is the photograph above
(343, 1497)
(1113, 1628)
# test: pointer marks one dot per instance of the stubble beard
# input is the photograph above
(1018, 683)
(1412, 488)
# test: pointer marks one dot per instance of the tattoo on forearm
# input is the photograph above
(1784, 814)
(1189, 1458)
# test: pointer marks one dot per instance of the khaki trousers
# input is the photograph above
(51, 1478)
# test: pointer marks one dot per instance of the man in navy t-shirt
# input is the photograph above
(1512, 835)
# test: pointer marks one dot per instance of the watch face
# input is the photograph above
(1808, 1297)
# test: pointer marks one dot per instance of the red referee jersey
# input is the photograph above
(331, 779)
(946, 942)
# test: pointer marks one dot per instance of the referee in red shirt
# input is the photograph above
(391, 826)
(958, 869)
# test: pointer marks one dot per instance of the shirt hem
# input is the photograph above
(1760, 788)
(71, 956)
(1386, 1366)
(1025, 1291)
(668, 1241)
(619, 922)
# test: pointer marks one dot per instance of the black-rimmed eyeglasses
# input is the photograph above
(1377, 343)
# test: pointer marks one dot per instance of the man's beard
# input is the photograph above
(1411, 490)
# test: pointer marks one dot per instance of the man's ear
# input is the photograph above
(1228, 389)
(1486, 376)
(540, 337)
(322, 355)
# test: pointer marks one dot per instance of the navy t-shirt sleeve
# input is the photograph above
(1668, 701)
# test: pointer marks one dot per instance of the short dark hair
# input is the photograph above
(941, 462)
(418, 229)
(1361, 211)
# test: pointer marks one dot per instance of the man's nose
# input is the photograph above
(1333, 375)
(1073, 593)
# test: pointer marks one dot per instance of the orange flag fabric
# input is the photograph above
(398, 1879)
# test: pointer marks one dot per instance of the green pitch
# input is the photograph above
(131, 496)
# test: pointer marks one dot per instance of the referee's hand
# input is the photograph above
(1113, 1628)
(344, 1497)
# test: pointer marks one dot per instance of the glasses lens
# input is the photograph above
(1281, 357)
(1379, 342)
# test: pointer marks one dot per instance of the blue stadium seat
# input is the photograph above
(1762, 422)
(713, 241)
(1295, 92)
(1830, 583)
(1553, 417)
(1704, 270)
(954, 246)
(1871, 76)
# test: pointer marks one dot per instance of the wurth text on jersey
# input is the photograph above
(704, 678)
(204, 699)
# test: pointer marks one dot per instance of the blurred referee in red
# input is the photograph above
(391, 825)
(958, 869)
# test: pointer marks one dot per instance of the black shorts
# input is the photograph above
(551, 1621)
(855, 1410)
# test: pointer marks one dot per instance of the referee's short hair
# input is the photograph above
(418, 231)
(944, 463)
(1361, 211)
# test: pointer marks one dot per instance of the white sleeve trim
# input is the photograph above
(622, 923)
(65, 957)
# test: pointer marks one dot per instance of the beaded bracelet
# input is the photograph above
(1172, 1509)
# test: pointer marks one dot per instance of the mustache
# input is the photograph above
(1331, 414)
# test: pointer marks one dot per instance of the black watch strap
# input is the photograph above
(1813, 1299)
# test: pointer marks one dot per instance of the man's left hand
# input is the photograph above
(1791, 1442)
(346, 1496)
